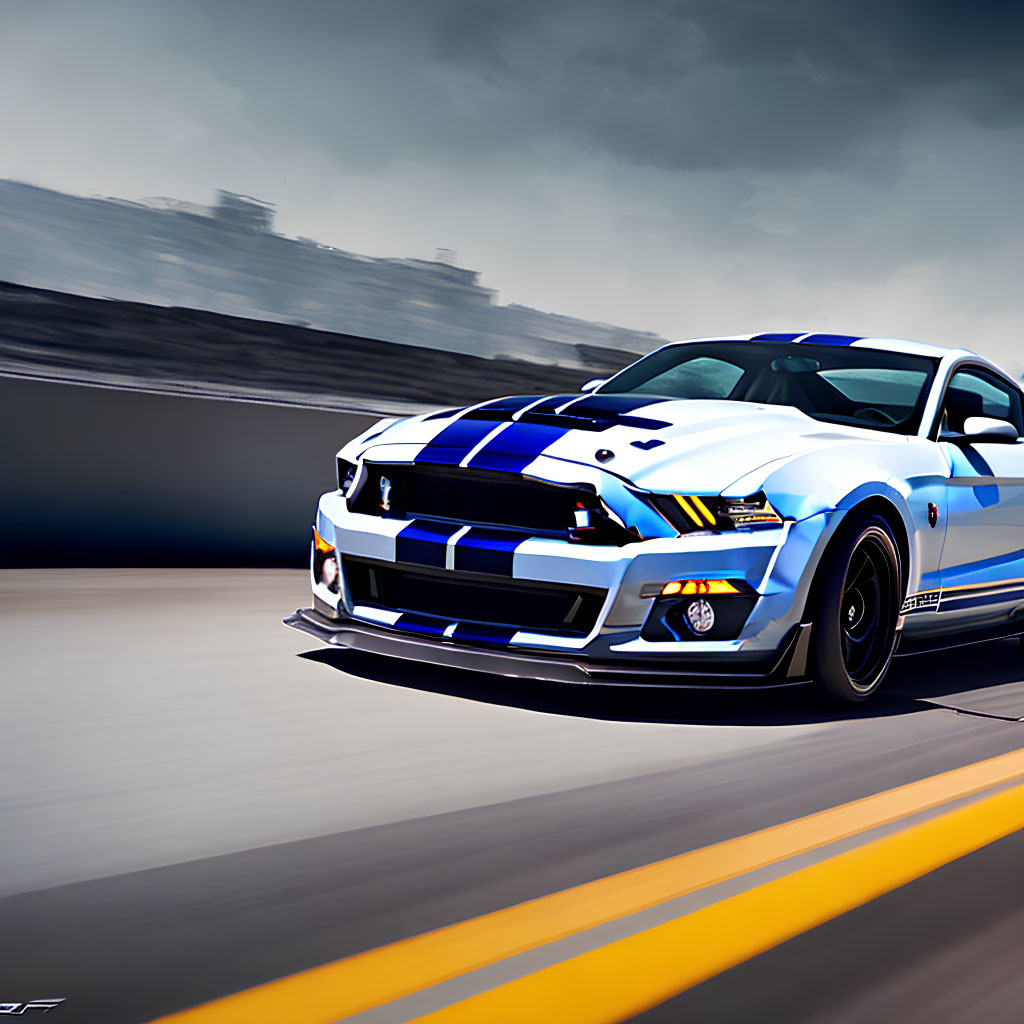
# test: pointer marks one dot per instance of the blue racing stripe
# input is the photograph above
(425, 624)
(618, 404)
(516, 447)
(446, 414)
(778, 337)
(453, 443)
(593, 412)
(423, 542)
(481, 634)
(502, 408)
(549, 405)
(829, 339)
(490, 551)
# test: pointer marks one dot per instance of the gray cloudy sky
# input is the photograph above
(686, 166)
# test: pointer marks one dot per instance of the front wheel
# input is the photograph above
(859, 588)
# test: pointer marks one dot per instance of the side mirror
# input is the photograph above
(985, 428)
(593, 385)
(989, 429)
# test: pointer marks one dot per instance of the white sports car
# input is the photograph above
(730, 512)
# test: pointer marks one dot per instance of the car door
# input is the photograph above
(982, 563)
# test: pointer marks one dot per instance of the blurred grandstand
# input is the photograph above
(228, 259)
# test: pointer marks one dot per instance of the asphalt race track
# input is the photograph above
(197, 801)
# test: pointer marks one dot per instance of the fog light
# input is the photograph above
(329, 572)
(701, 616)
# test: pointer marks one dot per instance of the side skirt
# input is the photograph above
(908, 646)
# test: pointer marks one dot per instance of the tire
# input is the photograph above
(859, 589)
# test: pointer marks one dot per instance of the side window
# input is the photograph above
(974, 393)
(872, 386)
(703, 377)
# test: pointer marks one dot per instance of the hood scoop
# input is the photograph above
(569, 412)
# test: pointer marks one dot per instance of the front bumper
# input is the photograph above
(786, 666)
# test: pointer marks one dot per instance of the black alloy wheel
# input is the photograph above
(859, 590)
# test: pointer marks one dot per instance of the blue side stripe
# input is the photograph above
(829, 339)
(423, 542)
(481, 634)
(968, 463)
(955, 603)
(778, 337)
(516, 447)
(425, 624)
(985, 563)
(489, 551)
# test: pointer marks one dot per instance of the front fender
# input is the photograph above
(909, 474)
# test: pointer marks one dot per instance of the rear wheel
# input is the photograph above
(859, 588)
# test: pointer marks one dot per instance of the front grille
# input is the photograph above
(473, 497)
(537, 607)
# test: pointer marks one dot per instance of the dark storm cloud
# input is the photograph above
(774, 85)
(685, 166)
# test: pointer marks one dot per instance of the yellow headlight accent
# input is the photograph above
(688, 509)
(703, 509)
(320, 544)
(672, 588)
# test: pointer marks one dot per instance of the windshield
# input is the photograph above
(861, 387)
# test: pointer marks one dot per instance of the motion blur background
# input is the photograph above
(232, 235)
(686, 168)
(467, 178)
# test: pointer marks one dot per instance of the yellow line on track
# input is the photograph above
(618, 981)
(333, 991)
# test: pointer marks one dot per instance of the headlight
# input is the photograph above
(690, 513)
(346, 475)
(753, 511)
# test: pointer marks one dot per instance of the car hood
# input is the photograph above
(694, 446)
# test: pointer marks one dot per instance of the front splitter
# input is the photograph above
(785, 668)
